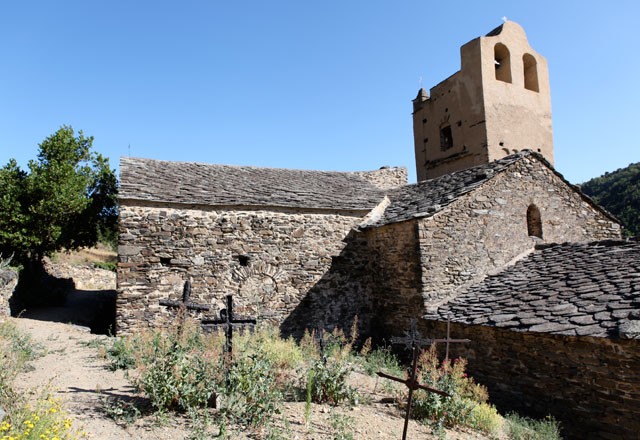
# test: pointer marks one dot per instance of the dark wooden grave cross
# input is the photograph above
(413, 341)
(322, 344)
(184, 305)
(227, 321)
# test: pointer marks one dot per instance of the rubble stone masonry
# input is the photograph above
(487, 228)
(589, 384)
(267, 259)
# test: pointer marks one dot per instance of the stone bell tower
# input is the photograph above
(497, 104)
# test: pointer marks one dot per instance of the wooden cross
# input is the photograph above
(183, 305)
(448, 340)
(227, 321)
(413, 341)
(322, 344)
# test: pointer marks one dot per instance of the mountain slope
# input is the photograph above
(619, 193)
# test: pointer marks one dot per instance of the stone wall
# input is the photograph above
(591, 385)
(487, 228)
(385, 177)
(268, 260)
(395, 278)
(8, 282)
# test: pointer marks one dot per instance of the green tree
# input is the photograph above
(619, 193)
(65, 201)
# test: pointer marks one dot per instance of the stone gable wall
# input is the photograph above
(269, 261)
(591, 385)
(487, 228)
(385, 177)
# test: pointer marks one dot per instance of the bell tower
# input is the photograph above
(497, 104)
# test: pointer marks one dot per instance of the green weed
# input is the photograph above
(524, 428)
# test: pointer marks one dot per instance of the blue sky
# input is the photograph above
(298, 84)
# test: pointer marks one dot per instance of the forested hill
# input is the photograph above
(619, 193)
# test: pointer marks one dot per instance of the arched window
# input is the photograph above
(530, 72)
(502, 61)
(534, 222)
(446, 137)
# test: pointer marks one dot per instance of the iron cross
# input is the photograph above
(185, 303)
(413, 341)
(227, 322)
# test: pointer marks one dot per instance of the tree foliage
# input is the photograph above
(66, 200)
(619, 193)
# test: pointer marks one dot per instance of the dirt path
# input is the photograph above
(74, 371)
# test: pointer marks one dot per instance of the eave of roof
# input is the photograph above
(425, 199)
(189, 183)
(574, 289)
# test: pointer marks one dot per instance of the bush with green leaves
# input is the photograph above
(525, 428)
(329, 381)
(121, 354)
(450, 377)
(179, 370)
(250, 395)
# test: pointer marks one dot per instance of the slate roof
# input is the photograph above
(223, 185)
(424, 199)
(580, 289)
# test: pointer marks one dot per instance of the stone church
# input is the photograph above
(491, 238)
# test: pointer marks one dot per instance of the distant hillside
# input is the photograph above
(619, 193)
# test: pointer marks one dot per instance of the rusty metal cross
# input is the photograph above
(227, 321)
(413, 341)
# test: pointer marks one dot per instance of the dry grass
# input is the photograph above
(97, 254)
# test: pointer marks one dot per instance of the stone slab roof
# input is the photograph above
(223, 185)
(426, 198)
(578, 289)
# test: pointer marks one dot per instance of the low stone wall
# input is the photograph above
(591, 385)
(84, 277)
(8, 282)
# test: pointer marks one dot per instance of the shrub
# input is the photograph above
(251, 395)
(381, 359)
(485, 418)
(106, 265)
(524, 428)
(285, 356)
(178, 370)
(46, 420)
(450, 377)
(121, 354)
(329, 382)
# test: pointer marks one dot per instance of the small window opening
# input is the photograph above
(165, 261)
(243, 260)
(446, 138)
(426, 140)
(534, 221)
(530, 72)
(424, 121)
(502, 62)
